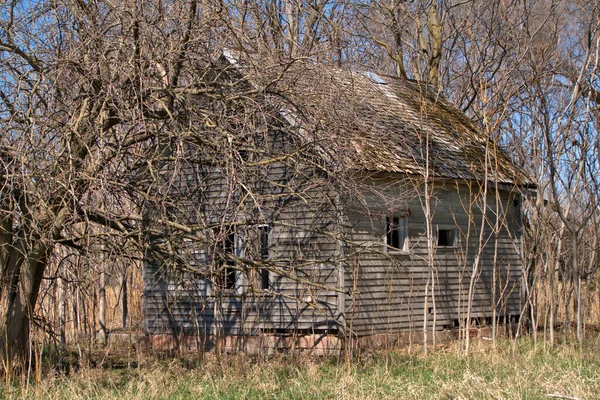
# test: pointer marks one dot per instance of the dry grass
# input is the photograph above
(509, 371)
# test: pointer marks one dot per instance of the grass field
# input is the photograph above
(509, 371)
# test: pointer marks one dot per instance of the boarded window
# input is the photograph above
(396, 232)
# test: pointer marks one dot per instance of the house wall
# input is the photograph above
(263, 169)
(301, 214)
(387, 290)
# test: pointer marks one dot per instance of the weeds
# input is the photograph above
(505, 372)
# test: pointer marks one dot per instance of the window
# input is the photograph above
(446, 237)
(264, 240)
(227, 274)
(396, 233)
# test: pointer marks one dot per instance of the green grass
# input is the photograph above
(509, 371)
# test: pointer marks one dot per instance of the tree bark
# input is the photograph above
(102, 305)
(61, 308)
(17, 304)
(25, 262)
(124, 303)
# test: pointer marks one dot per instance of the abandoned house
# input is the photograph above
(310, 201)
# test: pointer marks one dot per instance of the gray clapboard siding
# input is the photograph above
(297, 245)
(389, 287)
(385, 290)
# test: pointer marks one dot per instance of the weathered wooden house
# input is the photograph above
(313, 202)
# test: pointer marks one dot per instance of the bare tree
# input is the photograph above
(87, 89)
(96, 97)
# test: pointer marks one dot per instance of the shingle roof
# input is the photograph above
(384, 123)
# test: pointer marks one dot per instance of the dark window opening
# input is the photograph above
(264, 279)
(395, 232)
(446, 237)
(265, 232)
(228, 278)
(264, 242)
(229, 244)
(228, 273)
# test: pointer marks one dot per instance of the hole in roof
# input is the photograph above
(374, 77)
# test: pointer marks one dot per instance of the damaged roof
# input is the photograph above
(382, 123)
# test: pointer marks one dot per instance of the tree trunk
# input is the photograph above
(124, 304)
(20, 285)
(102, 306)
(61, 308)
(14, 331)
(555, 267)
